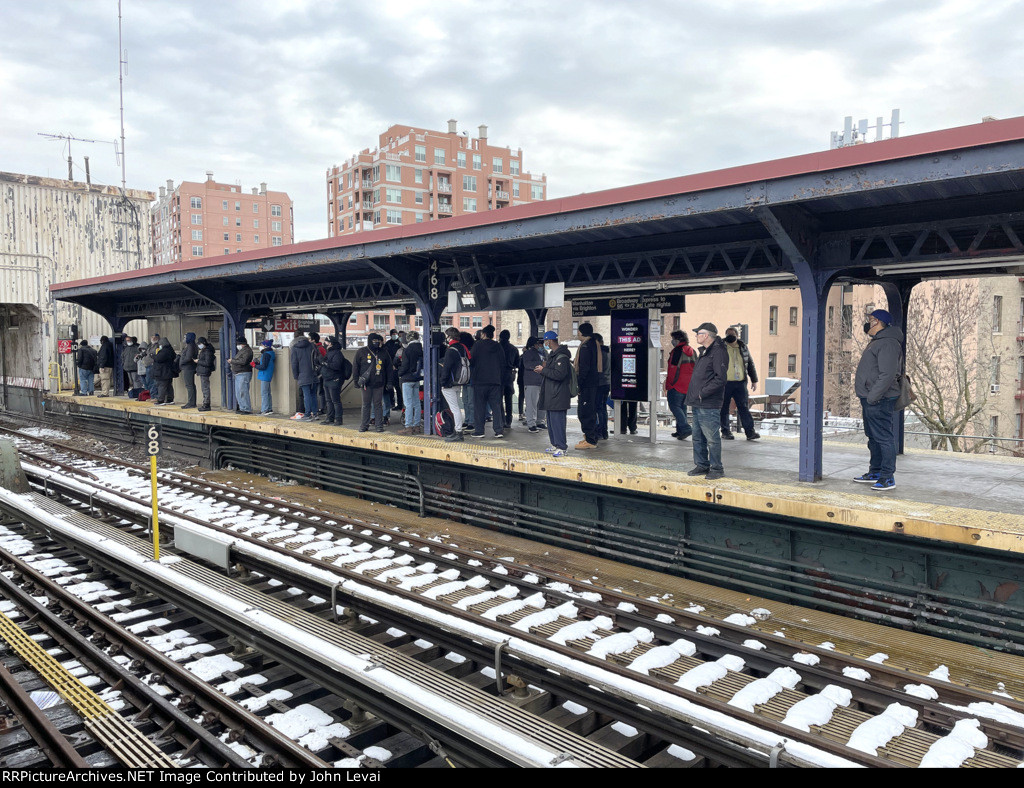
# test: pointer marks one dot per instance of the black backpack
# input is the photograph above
(315, 359)
(176, 366)
(346, 369)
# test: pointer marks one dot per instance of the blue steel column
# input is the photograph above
(897, 295)
(431, 312)
(537, 319)
(227, 338)
(117, 324)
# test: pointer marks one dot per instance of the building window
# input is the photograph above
(478, 322)
(256, 207)
(226, 250)
(381, 322)
(438, 155)
(353, 319)
(469, 183)
(469, 204)
(238, 221)
(275, 210)
(498, 164)
(197, 251)
(393, 195)
(794, 316)
(255, 224)
(515, 189)
(477, 161)
(997, 314)
(238, 205)
(994, 379)
(277, 240)
(464, 321)
(419, 321)
(419, 217)
(197, 202)
(676, 321)
(394, 217)
(791, 366)
(554, 326)
(238, 238)
(197, 218)
(462, 158)
(197, 235)
(773, 320)
(993, 425)
(848, 321)
(419, 176)
(255, 239)
(276, 227)
(225, 221)
(537, 192)
(772, 363)
(519, 330)
(224, 205)
(227, 237)
(575, 327)
(421, 153)
(419, 198)
(513, 166)
(392, 172)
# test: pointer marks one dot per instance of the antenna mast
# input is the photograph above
(122, 57)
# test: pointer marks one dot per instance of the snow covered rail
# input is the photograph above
(478, 727)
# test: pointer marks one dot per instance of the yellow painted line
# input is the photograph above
(981, 528)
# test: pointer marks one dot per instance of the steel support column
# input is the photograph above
(234, 325)
(816, 265)
(897, 294)
(339, 319)
(117, 324)
(537, 317)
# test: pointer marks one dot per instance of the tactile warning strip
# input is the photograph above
(108, 727)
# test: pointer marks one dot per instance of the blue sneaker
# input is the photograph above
(559, 452)
(883, 484)
(867, 478)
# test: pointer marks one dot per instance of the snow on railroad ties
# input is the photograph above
(620, 642)
(952, 750)
(662, 656)
(761, 691)
(817, 709)
(878, 731)
(707, 673)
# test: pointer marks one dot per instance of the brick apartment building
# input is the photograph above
(418, 175)
(207, 219)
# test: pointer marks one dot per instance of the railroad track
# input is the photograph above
(766, 682)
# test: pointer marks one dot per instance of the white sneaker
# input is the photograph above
(296, 417)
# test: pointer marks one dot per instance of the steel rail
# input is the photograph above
(44, 733)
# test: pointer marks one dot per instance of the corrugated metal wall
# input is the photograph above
(56, 231)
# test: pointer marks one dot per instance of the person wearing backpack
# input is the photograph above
(335, 371)
(163, 372)
(306, 363)
(372, 371)
(86, 361)
(454, 374)
(206, 363)
(265, 375)
(410, 373)
(556, 392)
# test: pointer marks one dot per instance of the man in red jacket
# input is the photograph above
(677, 382)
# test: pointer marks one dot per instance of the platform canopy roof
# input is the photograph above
(945, 203)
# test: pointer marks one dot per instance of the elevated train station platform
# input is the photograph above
(930, 544)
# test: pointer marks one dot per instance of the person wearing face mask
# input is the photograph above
(877, 384)
(206, 363)
(373, 370)
(456, 358)
(241, 370)
(677, 382)
(741, 370)
(187, 364)
(532, 381)
(303, 354)
(265, 375)
(129, 364)
(554, 392)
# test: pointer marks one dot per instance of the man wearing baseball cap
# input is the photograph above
(877, 383)
(705, 397)
(554, 392)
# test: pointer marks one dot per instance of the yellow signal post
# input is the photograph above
(153, 434)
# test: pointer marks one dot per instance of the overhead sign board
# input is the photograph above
(291, 324)
(598, 307)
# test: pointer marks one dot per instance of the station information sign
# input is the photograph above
(629, 356)
(291, 325)
(600, 307)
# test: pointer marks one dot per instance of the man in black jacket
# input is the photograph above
(508, 373)
(206, 363)
(554, 392)
(589, 365)
(86, 360)
(487, 363)
(187, 363)
(410, 373)
(372, 371)
(705, 397)
(335, 372)
(163, 372)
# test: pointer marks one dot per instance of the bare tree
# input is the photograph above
(943, 360)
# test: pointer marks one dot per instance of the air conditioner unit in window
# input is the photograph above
(994, 388)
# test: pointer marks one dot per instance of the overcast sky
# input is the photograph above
(598, 94)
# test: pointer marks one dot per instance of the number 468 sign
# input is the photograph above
(153, 440)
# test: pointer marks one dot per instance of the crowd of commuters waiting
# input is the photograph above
(478, 379)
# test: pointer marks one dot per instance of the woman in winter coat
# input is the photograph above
(163, 372)
(373, 370)
(335, 372)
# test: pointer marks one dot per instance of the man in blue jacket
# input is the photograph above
(265, 375)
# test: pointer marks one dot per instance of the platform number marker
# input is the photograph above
(153, 447)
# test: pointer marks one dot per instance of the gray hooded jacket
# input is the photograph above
(880, 367)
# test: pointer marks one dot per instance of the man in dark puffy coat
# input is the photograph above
(335, 372)
(372, 371)
(86, 360)
(241, 370)
(410, 373)
(187, 362)
(163, 372)
(106, 367)
(488, 364)
(741, 371)
(589, 364)
(304, 372)
(877, 384)
(508, 373)
(555, 392)
(206, 363)
(705, 397)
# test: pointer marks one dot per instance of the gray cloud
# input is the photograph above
(597, 94)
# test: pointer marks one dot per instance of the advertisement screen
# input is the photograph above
(629, 357)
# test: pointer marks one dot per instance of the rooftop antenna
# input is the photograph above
(68, 138)
(856, 136)
(122, 67)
